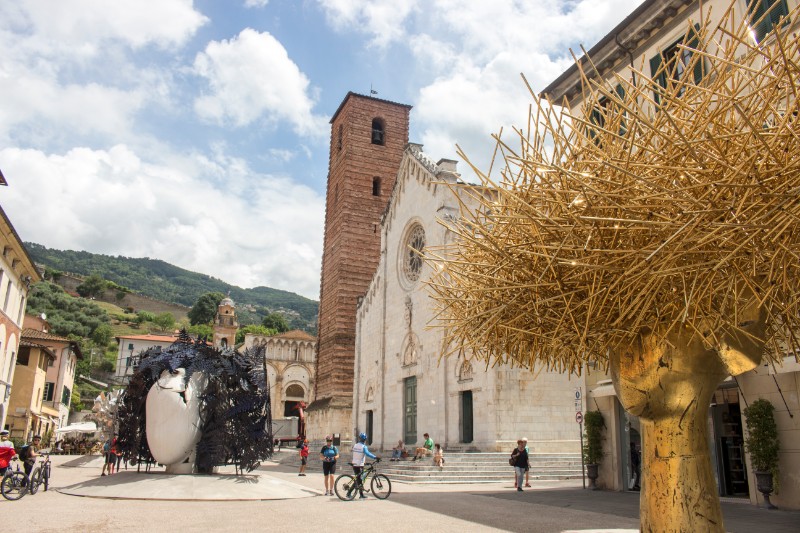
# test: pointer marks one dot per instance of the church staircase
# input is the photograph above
(459, 467)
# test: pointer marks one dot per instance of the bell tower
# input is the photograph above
(368, 136)
(225, 324)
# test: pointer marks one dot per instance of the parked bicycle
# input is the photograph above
(41, 474)
(14, 484)
(346, 485)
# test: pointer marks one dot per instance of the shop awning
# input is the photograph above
(80, 427)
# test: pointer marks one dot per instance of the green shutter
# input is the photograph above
(757, 8)
(660, 79)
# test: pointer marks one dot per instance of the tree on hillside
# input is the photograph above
(276, 321)
(255, 329)
(102, 334)
(93, 287)
(205, 308)
(164, 321)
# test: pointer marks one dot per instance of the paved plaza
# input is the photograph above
(285, 502)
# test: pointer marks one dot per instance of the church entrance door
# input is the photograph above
(466, 416)
(410, 406)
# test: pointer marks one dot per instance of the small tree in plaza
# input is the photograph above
(654, 231)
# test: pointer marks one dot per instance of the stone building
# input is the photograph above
(290, 359)
(368, 136)
(130, 348)
(404, 385)
(652, 32)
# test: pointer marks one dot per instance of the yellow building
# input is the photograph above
(25, 416)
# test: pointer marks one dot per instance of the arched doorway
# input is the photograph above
(293, 396)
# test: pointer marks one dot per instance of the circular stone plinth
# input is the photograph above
(187, 487)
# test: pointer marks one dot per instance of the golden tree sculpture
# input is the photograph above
(655, 231)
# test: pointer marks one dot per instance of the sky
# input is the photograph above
(198, 132)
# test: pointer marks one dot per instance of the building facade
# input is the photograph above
(405, 386)
(26, 416)
(130, 346)
(60, 373)
(17, 273)
(647, 37)
(368, 136)
(290, 360)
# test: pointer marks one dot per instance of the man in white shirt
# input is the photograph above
(360, 454)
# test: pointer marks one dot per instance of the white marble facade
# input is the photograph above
(395, 346)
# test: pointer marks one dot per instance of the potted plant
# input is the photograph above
(762, 444)
(593, 425)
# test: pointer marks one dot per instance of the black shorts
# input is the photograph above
(329, 468)
(303, 461)
(111, 458)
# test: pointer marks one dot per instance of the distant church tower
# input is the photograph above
(225, 324)
(368, 136)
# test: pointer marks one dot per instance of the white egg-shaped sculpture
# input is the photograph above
(173, 419)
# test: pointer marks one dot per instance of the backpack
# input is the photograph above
(25, 452)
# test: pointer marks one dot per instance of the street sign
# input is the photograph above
(579, 417)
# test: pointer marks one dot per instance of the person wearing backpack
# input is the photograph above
(329, 455)
(29, 453)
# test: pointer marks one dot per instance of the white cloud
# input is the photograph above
(252, 77)
(382, 19)
(83, 27)
(469, 56)
(246, 228)
(255, 3)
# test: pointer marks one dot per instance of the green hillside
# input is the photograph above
(163, 281)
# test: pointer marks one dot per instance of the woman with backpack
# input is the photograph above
(519, 460)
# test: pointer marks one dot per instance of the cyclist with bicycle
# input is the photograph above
(360, 454)
(30, 453)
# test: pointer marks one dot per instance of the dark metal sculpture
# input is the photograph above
(234, 411)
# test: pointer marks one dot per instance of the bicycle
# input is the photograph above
(14, 484)
(40, 475)
(346, 485)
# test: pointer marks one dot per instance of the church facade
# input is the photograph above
(404, 386)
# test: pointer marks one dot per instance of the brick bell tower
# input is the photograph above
(368, 136)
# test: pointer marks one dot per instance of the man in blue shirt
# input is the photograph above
(329, 454)
(360, 453)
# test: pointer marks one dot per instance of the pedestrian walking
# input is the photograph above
(303, 457)
(519, 458)
(329, 454)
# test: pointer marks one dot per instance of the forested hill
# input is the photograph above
(163, 281)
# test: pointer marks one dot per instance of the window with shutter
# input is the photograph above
(765, 15)
(669, 67)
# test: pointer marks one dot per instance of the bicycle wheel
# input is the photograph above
(381, 486)
(46, 477)
(12, 486)
(345, 487)
(36, 480)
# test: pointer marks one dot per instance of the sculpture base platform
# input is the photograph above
(128, 485)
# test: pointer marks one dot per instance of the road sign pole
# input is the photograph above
(583, 468)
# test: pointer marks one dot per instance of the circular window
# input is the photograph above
(411, 253)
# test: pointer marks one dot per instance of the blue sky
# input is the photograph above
(197, 132)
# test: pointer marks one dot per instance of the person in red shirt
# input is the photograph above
(7, 451)
(303, 457)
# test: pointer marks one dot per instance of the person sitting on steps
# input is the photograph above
(425, 449)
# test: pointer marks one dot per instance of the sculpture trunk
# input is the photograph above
(667, 381)
(679, 492)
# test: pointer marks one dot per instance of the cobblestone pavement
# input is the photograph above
(549, 507)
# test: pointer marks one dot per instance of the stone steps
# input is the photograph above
(470, 467)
